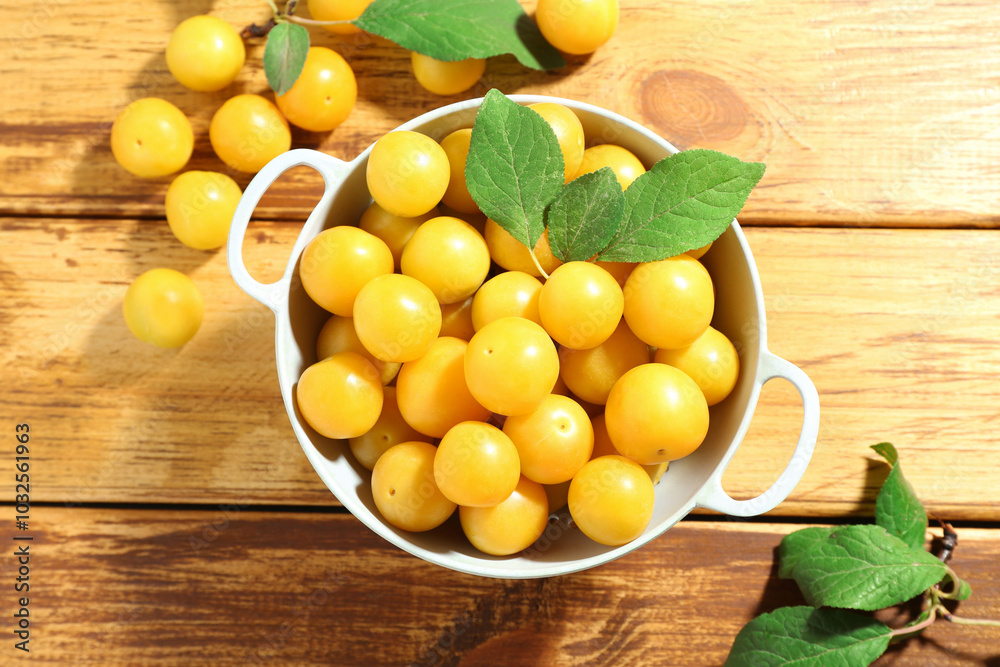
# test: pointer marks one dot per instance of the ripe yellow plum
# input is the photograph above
(338, 262)
(508, 294)
(711, 361)
(404, 489)
(163, 307)
(433, 394)
(553, 441)
(510, 526)
(407, 173)
(397, 317)
(669, 303)
(511, 365)
(611, 500)
(390, 430)
(248, 131)
(591, 373)
(476, 465)
(338, 335)
(340, 396)
(205, 53)
(656, 413)
(151, 137)
(449, 256)
(580, 305)
(626, 166)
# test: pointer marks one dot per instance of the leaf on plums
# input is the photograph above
(285, 56)
(515, 167)
(803, 636)
(514, 172)
(897, 508)
(686, 201)
(585, 215)
(866, 568)
(461, 29)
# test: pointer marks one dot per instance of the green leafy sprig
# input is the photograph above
(446, 31)
(862, 567)
(515, 173)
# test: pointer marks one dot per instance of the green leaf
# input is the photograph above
(461, 29)
(864, 567)
(585, 215)
(897, 507)
(515, 167)
(685, 201)
(887, 451)
(285, 55)
(807, 637)
(898, 510)
(795, 544)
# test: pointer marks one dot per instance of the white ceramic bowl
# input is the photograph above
(694, 481)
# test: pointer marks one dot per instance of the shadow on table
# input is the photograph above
(876, 471)
(901, 653)
(386, 79)
(778, 592)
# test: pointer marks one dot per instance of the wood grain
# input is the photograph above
(120, 586)
(867, 113)
(897, 329)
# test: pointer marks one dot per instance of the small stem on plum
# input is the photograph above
(274, 8)
(537, 264)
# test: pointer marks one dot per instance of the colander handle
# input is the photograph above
(333, 172)
(715, 498)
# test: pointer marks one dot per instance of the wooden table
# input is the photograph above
(175, 518)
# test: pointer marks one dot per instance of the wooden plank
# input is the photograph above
(897, 329)
(120, 586)
(867, 113)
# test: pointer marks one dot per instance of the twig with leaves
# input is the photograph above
(442, 30)
(861, 567)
